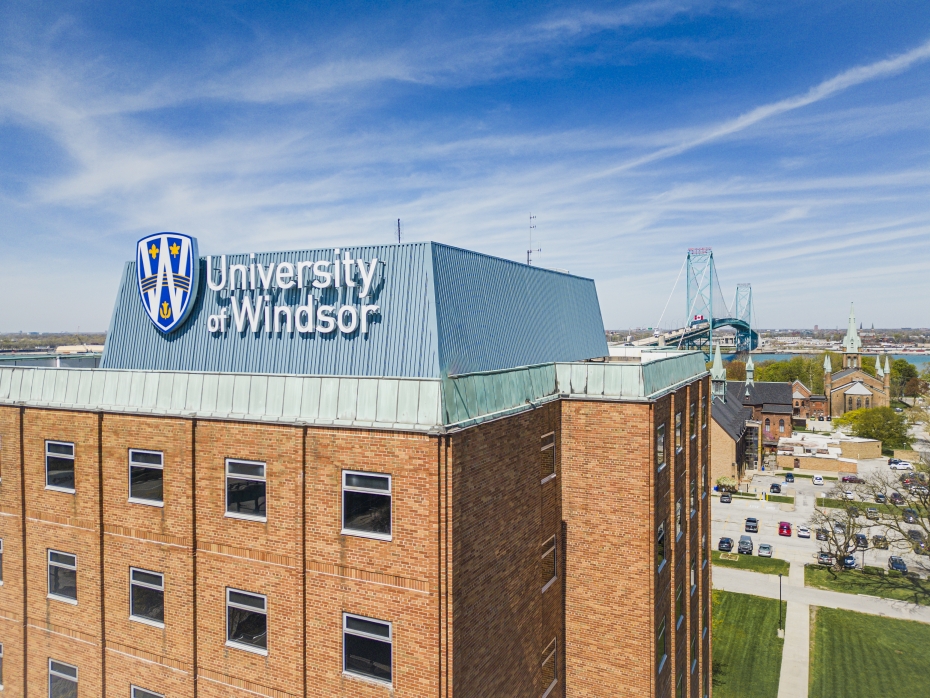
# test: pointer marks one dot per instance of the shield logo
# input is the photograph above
(167, 269)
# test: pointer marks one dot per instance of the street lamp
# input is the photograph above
(779, 601)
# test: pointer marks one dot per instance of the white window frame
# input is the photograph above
(553, 655)
(55, 488)
(137, 500)
(380, 638)
(255, 478)
(48, 564)
(551, 476)
(238, 645)
(551, 550)
(145, 693)
(142, 619)
(389, 493)
(53, 672)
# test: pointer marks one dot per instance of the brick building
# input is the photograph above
(470, 498)
(853, 388)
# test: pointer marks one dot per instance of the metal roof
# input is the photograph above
(443, 311)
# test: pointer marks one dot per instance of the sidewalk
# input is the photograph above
(745, 582)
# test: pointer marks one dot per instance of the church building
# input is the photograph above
(853, 388)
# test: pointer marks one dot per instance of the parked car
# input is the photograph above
(745, 545)
(871, 513)
(784, 529)
(910, 515)
(820, 418)
(918, 540)
(901, 465)
(852, 478)
(881, 498)
(853, 512)
(765, 550)
(823, 534)
(839, 527)
(775, 488)
(726, 498)
(818, 480)
(725, 545)
(892, 461)
(789, 477)
(849, 562)
(861, 541)
(897, 499)
(880, 542)
(848, 494)
(752, 525)
(824, 559)
(897, 563)
(804, 532)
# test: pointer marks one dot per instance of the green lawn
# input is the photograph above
(747, 650)
(753, 563)
(782, 499)
(855, 582)
(890, 509)
(855, 655)
(809, 476)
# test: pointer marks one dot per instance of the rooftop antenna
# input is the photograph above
(398, 231)
(529, 252)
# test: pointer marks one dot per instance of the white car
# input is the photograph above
(804, 532)
(849, 495)
(818, 480)
(901, 465)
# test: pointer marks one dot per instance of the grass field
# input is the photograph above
(889, 509)
(753, 563)
(855, 582)
(782, 499)
(747, 650)
(855, 655)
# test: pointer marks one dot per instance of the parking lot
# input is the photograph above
(729, 520)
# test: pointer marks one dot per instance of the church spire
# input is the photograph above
(827, 366)
(750, 371)
(878, 367)
(718, 377)
(851, 341)
(887, 368)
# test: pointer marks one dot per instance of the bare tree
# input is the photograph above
(836, 528)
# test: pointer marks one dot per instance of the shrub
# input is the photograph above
(872, 570)
(726, 484)
(895, 573)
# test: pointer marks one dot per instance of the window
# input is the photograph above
(548, 568)
(245, 490)
(693, 497)
(1, 666)
(62, 576)
(146, 471)
(693, 574)
(366, 505)
(661, 654)
(660, 546)
(62, 680)
(247, 621)
(679, 519)
(147, 596)
(781, 426)
(849, 400)
(59, 466)
(1, 568)
(693, 651)
(366, 647)
(768, 425)
(858, 402)
(547, 457)
(704, 412)
(704, 550)
(677, 432)
(679, 605)
(660, 447)
(142, 693)
(704, 620)
(692, 419)
(867, 403)
(550, 667)
(680, 685)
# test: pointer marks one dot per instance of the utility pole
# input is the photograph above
(529, 252)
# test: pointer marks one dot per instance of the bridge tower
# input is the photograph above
(700, 301)
(742, 310)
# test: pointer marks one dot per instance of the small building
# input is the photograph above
(806, 404)
(836, 452)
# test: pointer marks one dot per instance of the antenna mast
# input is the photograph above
(398, 231)
(530, 251)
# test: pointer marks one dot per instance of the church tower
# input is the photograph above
(750, 372)
(827, 377)
(718, 378)
(886, 380)
(851, 342)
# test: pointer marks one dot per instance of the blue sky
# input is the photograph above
(792, 137)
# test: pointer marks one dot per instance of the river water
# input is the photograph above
(919, 360)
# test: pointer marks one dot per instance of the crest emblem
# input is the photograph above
(167, 269)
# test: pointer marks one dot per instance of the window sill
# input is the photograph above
(147, 621)
(66, 490)
(548, 584)
(146, 502)
(247, 648)
(364, 534)
(63, 599)
(245, 517)
(550, 689)
(546, 479)
(367, 679)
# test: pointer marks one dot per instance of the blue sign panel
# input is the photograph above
(166, 269)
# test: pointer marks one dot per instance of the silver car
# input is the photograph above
(766, 550)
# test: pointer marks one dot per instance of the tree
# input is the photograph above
(915, 387)
(727, 484)
(736, 370)
(881, 423)
(902, 371)
(806, 368)
(839, 526)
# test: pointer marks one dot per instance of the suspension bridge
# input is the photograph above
(706, 310)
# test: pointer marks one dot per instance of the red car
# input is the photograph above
(784, 529)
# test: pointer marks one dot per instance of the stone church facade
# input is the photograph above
(852, 388)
